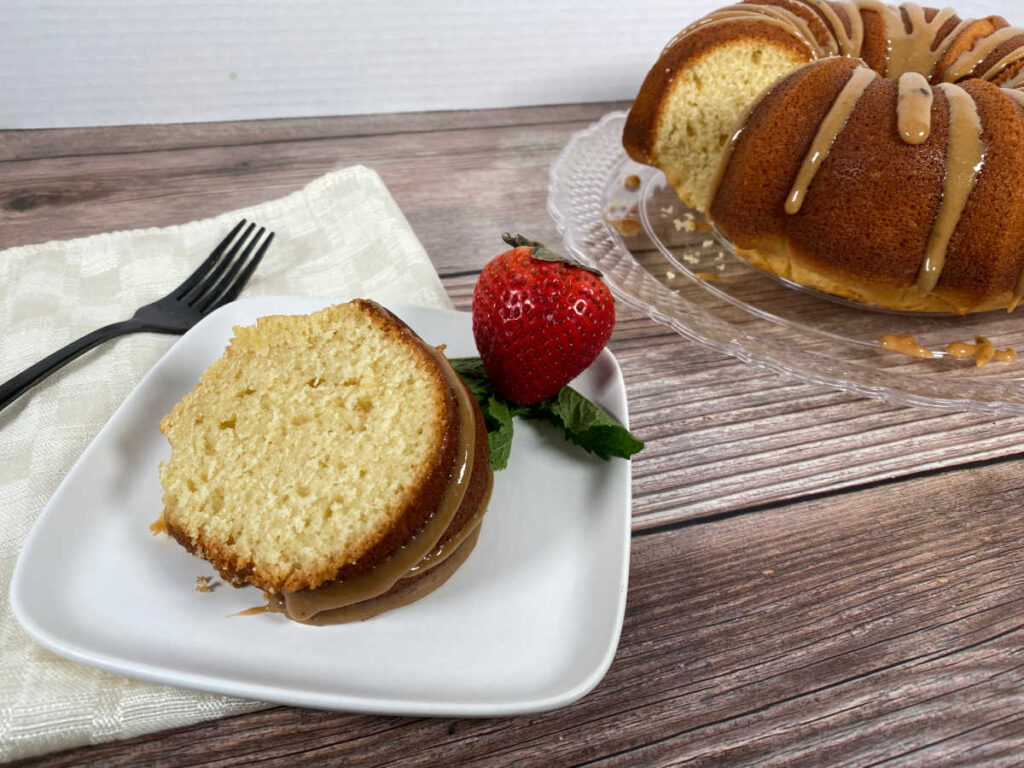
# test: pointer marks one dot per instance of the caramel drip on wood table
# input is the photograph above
(965, 155)
(833, 124)
(914, 108)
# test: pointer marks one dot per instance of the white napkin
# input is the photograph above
(342, 234)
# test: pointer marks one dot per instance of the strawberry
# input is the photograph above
(539, 320)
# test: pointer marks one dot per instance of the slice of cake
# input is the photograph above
(329, 459)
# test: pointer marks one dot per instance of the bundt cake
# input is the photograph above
(870, 151)
(334, 460)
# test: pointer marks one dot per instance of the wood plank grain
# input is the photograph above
(459, 188)
(106, 140)
(884, 626)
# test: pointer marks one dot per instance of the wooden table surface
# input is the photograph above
(816, 579)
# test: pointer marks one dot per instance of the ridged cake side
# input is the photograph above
(886, 171)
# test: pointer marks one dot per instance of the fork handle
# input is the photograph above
(24, 381)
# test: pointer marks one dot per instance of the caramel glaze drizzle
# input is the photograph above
(914, 108)
(913, 43)
(1014, 82)
(912, 46)
(1013, 57)
(730, 145)
(781, 17)
(833, 124)
(914, 50)
(849, 43)
(965, 155)
(972, 59)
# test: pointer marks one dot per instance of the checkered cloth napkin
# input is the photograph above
(342, 234)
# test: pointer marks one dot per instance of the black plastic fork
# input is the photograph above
(218, 280)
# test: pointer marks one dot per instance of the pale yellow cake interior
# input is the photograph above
(702, 107)
(302, 442)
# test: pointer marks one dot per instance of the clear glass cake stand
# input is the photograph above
(662, 258)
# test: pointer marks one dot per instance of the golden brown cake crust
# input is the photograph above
(987, 250)
(402, 525)
(638, 136)
(761, 173)
(881, 246)
(860, 209)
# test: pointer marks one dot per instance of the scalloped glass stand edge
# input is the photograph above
(581, 176)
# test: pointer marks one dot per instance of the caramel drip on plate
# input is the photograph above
(626, 227)
(254, 611)
(419, 589)
(982, 351)
(985, 47)
(304, 604)
(965, 155)
(833, 124)
(904, 344)
(914, 108)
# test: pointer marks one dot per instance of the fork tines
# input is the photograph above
(223, 275)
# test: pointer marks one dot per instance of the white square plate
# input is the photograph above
(530, 622)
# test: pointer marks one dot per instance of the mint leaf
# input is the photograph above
(590, 426)
(499, 432)
(584, 423)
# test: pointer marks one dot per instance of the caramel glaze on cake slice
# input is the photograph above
(328, 459)
(878, 158)
(450, 532)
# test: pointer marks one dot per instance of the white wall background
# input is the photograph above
(108, 62)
